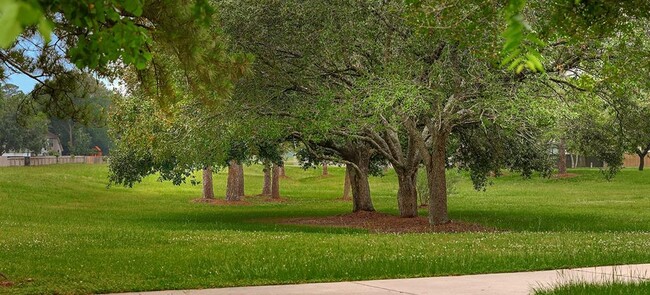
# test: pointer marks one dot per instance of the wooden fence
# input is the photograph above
(49, 160)
(633, 161)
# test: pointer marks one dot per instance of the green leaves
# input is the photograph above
(520, 41)
(134, 7)
(16, 15)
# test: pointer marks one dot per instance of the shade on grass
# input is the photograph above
(62, 230)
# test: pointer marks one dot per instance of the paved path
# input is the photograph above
(502, 283)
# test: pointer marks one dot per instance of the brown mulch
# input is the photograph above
(6, 284)
(377, 222)
(564, 175)
(4, 281)
(221, 202)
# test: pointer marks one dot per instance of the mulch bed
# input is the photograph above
(4, 281)
(6, 284)
(377, 222)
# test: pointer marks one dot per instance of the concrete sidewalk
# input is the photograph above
(502, 283)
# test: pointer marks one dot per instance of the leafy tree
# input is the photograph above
(532, 25)
(294, 82)
(78, 113)
(140, 42)
(351, 94)
(20, 128)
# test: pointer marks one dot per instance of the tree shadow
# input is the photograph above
(249, 221)
(549, 222)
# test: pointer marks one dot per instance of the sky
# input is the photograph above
(24, 83)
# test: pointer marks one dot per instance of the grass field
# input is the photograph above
(62, 231)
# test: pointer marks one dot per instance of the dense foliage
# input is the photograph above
(482, 86)
(21, 128)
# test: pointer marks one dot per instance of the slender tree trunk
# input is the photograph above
(235, 186)
(346, 186)
(437, 182)
(641, 162)
(282, 172)
(561, 163)
(275, 182)
(407, 194)
(266, 189)
(642, 155)
(325, 173)
(70, 141)
(361, 200)
(208, 190)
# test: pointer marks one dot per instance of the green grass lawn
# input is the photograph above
(615, 288)
(63, 231)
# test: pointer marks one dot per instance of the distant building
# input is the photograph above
(53, 145)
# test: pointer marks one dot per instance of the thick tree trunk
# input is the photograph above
(346, 186)
(240, 181)
(208, 190)
(361, 200)
(407, 195)
(561, 163)
(266, 189)
(325, 173)
(235, 186)
(437, 182)
(275, 182)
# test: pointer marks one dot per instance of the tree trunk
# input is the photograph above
(70, 141)
(208, 190)
(561, 163)
(282, 172)
(275, 182)
(361, 200)
(240, 181)
(641, 162)
(437, 182)
(346, 186)
(235, 186)
(266, 189)
(407, 194)
(325, 173)
(642, 155)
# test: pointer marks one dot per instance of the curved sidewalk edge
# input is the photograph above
(500, 283)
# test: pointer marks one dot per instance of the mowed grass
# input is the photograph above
(62, 231)
(612, 288)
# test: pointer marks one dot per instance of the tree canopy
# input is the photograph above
(480, 86)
